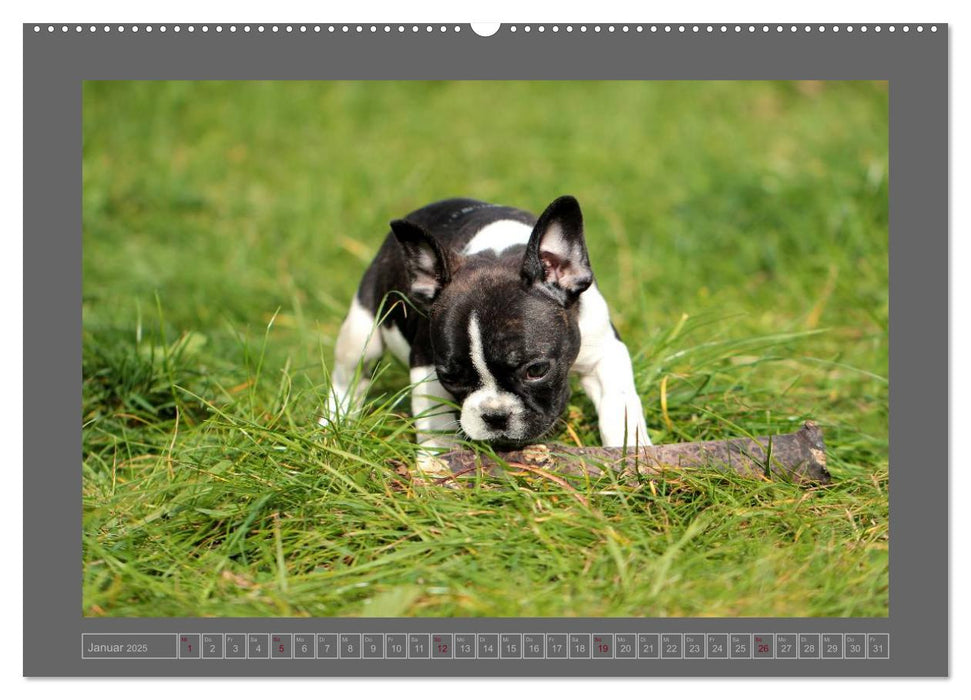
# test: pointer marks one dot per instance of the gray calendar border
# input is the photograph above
(916, 66)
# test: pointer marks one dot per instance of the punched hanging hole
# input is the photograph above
(485, 28)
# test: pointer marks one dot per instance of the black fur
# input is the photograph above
(524, 300)
(451, 223)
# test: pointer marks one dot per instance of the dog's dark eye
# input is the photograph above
(446, 376)
(537, 370)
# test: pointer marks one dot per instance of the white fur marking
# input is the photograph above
(595, 329)
(621, 416)
(607, 376)
(434, 421)
(488, 398)
(478, 354)
(396, 343)
(359, 342)
(498, 236)
(358, 337)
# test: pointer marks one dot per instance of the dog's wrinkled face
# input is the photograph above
(503, 328)
(505, 355)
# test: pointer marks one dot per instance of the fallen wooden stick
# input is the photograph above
(798, 457)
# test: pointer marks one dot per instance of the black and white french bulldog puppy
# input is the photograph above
(492, 309)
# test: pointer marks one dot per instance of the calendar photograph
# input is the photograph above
(485, 349)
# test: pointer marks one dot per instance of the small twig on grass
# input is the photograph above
(552, 477)
(455, 475)
(798, 456)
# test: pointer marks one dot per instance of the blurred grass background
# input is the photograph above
(738, 230)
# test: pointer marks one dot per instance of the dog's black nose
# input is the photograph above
(496, 421)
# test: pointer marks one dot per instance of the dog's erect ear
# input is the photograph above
(556, 256)
(427, 263)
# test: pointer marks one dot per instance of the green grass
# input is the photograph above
(738, 230)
